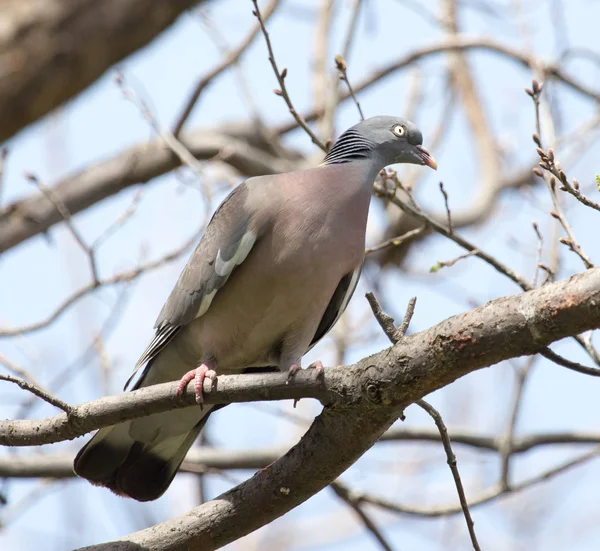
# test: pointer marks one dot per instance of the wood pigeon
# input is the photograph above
(273, 273)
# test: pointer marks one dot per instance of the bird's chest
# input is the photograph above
(326, 229)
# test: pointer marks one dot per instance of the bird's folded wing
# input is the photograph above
(228, 240)
(340, 299)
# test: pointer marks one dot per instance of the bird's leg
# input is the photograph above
(203, 371)
(317, 366)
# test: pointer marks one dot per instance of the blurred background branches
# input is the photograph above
(125, 123)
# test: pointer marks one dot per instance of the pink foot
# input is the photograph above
(317, 366)
(319, 369)
(206, 370)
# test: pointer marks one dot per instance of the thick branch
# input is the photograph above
(53, 49)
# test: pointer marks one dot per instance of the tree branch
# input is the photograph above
(60, 465)
(365, 399)
(51, 49)
(239, 147)
(550, 70)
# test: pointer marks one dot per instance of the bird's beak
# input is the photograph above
(426, 157)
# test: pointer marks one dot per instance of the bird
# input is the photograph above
(272, 274)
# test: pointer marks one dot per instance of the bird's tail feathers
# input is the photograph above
(142, 470)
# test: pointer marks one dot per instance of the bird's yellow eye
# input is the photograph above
(399, 130)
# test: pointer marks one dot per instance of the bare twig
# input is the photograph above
(538, 253)
(120, 221)
(17, 370)
(396, 241)
(387, 324)
(508, 440)
(452, 463)
(320, 57)
(448, 263)
(573, 189)
(66, 216)
(40, 393)
(123, 277)
(230, 59)
(459, 43)
(328, 120)
(448, 215)
(385, 321)
(342, 67)
(551, 165)
(281, 80)
(486, 496)
(573, 366)
(548, 163)
(415, 211)
(170, 140)
(346, 496)
(410, 310)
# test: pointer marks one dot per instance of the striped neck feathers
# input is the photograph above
(350, 146)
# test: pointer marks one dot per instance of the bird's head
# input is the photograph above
(389, 139)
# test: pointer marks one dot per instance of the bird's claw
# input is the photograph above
(317, 366)
(293, 369)
(204, 371)
(319, 369)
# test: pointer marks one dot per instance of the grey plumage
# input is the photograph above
(273, 273)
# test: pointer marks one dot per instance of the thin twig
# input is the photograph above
(320, 58)
(410, 310)
(281, 80)
(62, 209)
(230, 59)
(573, 366)
(84, 359)
(506, 452)
(448, 215)
(56, 402)
(573, 189)
(538, 253)
(459, 43)
(551, 165)
(18, 370)
(169, 139)
(448, 263)
(342, 67)
(548, 164)
(417, 213)
(486, 496)
(452, 463)
(346, 496)
(397, 241)
(328, 115)
(123, 277)
(120, 221)
(351, 31)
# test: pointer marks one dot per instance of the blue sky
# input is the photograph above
(37, 275)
